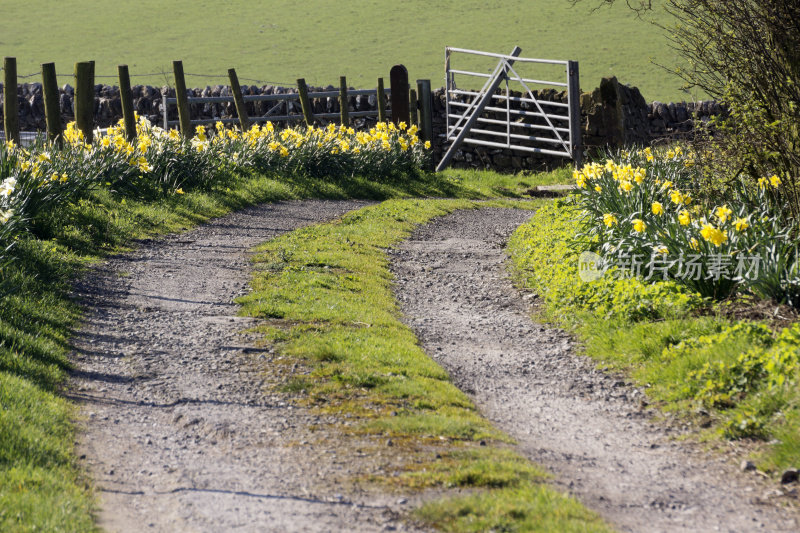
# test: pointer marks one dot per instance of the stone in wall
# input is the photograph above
(612, 115)
(616, 115)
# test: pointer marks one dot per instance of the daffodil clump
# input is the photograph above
(643, 217)
(384, 152)
(35, 179)
(157, 162)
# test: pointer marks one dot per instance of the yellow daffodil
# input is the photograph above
(580, 179)
(684, 218)
(676, 197)
(775, 181)
(657, 208)
(638, 225)
(723, 213)
(741, 224)
(609, 220)
(626, 186)
(713, 235)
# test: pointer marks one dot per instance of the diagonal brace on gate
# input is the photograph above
(520, 79)
(482, 101)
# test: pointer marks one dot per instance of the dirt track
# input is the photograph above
(585, 426)
(180, 434)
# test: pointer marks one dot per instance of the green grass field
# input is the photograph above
(321, 40)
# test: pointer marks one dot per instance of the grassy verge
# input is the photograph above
(41, 487)
(733, 379)
(326, 292)
(485, 183)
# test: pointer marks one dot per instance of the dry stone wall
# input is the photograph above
(612, 115)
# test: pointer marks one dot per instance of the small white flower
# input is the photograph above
(8, 186)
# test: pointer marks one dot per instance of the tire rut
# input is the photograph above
(587, 427)
(178, 431)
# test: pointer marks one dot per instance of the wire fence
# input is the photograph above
(166, 75)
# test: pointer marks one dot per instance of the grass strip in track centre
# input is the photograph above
(41, 486)
(729, 379)
(326, 292)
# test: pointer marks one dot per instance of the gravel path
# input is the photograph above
(179, 433)
(585, 426)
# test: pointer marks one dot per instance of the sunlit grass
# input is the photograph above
(41, 487)
(361, 40)
(327, 294)
(734, 379)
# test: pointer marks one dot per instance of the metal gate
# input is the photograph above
(533, 124)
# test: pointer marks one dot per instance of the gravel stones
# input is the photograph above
(179, 433)
(583, 424)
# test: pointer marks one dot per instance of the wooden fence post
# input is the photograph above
(90, 101)
(10, 103)
(238, 100)
(399, 83)
(412, 106)
(126, 98)
(84, 93)
(305, 103)
(183, 101)
(381, 97)
(343, 102)
(574, 95)
(52, 109)
(425, 109)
